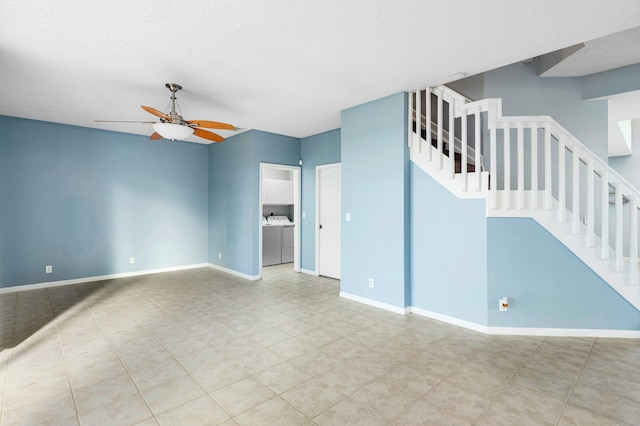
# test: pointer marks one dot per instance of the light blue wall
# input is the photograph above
(611, 82)
(234, 183)
(524, 93)
(86, 200)
(375, 185)
(448, 251)
(316, 150)
(546, 284)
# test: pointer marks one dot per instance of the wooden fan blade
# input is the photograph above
(124, 121)
(211, 124)
(155, 136)
(205, 134)
(156, 112)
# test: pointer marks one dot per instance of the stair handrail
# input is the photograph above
(559, 202)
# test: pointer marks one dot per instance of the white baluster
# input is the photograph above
(419, 119)
(478, 150)
(410, 119)
(507, 165)
(534, 165)
(548, 186)
(428, 122)
(440, 113)
(463, 154)
(633, 239)
(493, 168)
(619, 223)
(604, 189)
(520, 141)
(452, 138)
(575, 169)
(562, 194)
(590, 203)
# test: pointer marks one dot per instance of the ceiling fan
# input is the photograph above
(172, 126)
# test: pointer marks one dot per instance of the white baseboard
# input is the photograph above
(374, 303)
(308, 272)
(448, 319)
(98, 278)
(233, 272)
(527, 331)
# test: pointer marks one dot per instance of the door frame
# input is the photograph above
(296, 212)
(318, 170)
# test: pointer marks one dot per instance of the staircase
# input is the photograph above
(530, 167)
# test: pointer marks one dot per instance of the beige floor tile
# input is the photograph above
(291, 348)
(241, 396)
(275, 411)
(101, 392)
(259, 360)
(501, 414)
(454, 399)
(178, 335)
(578, 416)
(615, 385)
(529, 403)
(614, 406)
(48, 405)
(222, 374)
(346, 378)
(129, 410)
(349, 412)
(426, 414)
(171, 394)
(282, 377)
(316, 362)
(312, 397)
(386, 399)
(549, 383)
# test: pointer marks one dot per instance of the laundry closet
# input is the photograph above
(277, 217)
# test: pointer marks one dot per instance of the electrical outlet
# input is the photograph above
(219, 256)
(132, 260)
(48, 269)
(370, 282)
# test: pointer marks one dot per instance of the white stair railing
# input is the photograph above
(537, 169)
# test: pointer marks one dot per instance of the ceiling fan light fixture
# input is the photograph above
(173, 131)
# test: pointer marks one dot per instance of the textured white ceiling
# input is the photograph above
(285, 66)
(602, 54)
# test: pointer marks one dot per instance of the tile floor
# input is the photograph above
(202, 347)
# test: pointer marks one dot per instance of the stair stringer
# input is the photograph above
(576, 243)
(548, 219)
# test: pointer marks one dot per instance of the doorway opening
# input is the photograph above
(279, 230)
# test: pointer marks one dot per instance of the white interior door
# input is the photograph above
(329, 220)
